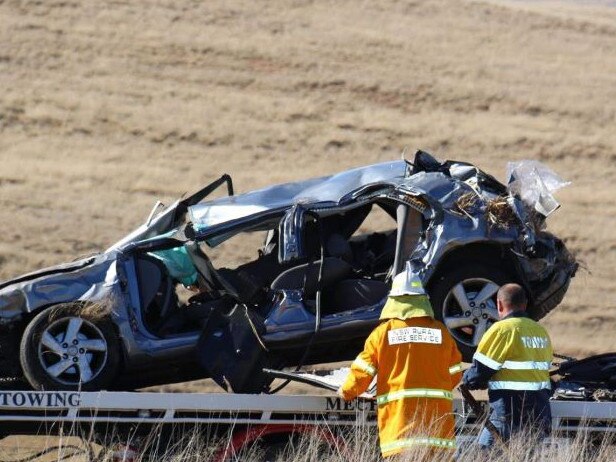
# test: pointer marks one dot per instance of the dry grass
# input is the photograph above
(361, 445)
(92, 311)
(355, 444)
(465, 204)
(500, 214)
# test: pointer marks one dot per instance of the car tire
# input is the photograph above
(455, 298)
(65, 348)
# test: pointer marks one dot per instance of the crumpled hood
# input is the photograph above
(90, 279)
(61, 268)
(406, 307)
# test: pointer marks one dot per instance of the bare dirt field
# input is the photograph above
(106, 107)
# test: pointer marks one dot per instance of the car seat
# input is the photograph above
(337, 246)
(156, 291)
(236, 284)
(351, 294)
(306, 276)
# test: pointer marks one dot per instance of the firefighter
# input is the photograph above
(418, 365)
(512, 361)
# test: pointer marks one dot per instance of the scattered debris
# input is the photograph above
(466, 203)
(93, 311)
(534, 183)
(500, 214)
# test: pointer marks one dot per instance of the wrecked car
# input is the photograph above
(587, 379)
(311, 295)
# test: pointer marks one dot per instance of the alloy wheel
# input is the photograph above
(72, 351)
(469, 309)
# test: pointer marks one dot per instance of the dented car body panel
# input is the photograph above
(432, 221)
(323, 191)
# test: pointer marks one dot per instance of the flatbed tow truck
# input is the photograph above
(239, 421)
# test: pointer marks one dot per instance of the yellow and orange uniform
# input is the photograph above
(418, 365)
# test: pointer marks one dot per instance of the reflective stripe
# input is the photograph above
(414, 393)
(502, 385)
(423, 441)
(455, 369)
(364, 366)
(483, 359)
(520, 365)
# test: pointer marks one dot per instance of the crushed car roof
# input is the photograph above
(332, 188)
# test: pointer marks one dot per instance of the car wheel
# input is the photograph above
(64, 349)
(465, 301)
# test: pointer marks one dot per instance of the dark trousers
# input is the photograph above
(513, 412)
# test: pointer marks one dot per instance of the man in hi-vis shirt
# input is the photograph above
(418, 365)
(512, 361)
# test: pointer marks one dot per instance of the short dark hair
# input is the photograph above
(513, 296)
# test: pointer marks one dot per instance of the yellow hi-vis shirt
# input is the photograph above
(520, 350)
(418, 365)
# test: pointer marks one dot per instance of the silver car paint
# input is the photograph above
(105, 276)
